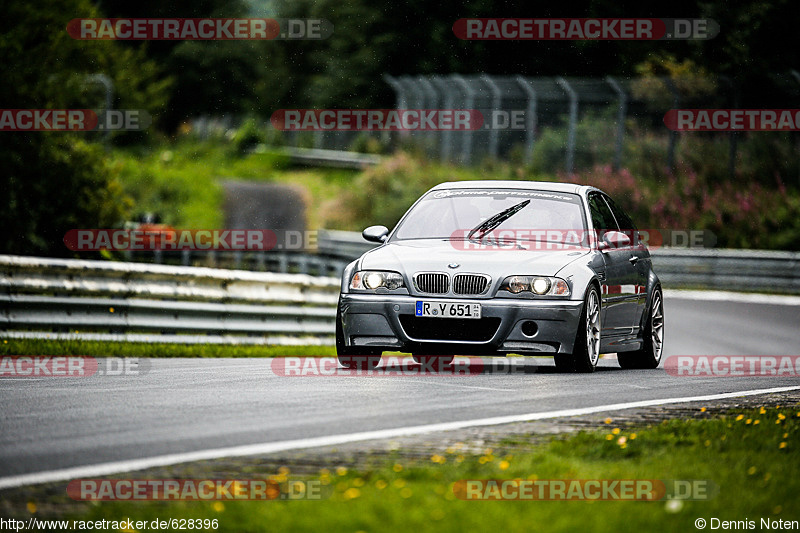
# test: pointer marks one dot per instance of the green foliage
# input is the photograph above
(54, 182)
(51, 185)
(381, 194)
(248, 136)
(740, 215)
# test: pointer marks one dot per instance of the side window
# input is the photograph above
(602, 219)
(625, 222)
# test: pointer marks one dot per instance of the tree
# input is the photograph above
(56, 181)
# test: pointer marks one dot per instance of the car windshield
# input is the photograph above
(454, 213)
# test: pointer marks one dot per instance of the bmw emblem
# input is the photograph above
(453, 265)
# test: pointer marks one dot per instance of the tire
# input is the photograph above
(437, 361)
(586, 351)
(354, 358)
(649, 355)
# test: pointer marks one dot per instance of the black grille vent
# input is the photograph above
(470, 284)
(432, 283)
(450, 329)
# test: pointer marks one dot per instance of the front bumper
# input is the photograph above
(388, 322)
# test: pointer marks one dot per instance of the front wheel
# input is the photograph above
(649, 356)
(352, 357)
(586, 351)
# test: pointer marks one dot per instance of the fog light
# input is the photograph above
(529, 328)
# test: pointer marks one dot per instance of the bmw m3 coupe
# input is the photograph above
(499, 267)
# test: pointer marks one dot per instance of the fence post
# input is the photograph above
(573, 124)
(469, 103)
(431, 103)
(400, 93)
(447, 135)
(494, 134)
(530, 119)
(108, 85)
(621, 113)
(417, 96)
(673, 135)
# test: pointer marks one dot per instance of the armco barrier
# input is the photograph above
(139, 301)
(728, 270)
(116, 300)
(695, 268)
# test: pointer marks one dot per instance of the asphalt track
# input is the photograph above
(179, 410)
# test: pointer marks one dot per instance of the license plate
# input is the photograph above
(440, 309)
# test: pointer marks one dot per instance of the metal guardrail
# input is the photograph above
(695, 268)
(73, 298)
(334, 250)
(159, 303)
(331, 158)
(730, 270)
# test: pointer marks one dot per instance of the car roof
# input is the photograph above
(550, 186)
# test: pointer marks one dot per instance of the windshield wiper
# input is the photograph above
(491, 223)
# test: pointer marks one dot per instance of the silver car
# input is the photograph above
(498, 267)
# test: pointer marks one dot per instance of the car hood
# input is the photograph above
(436, 255)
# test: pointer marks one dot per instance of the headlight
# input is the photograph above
(540, 285)
(376, 279)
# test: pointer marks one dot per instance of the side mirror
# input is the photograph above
(376, 234)
(615, 240)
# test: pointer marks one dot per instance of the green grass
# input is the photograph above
(145, 349)
(756, 477)
(182, 181)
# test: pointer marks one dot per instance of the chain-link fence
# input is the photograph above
(573, 124)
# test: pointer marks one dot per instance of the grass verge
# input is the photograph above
(750, 455)
(146, 349)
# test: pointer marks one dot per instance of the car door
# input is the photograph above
(639, 258)
(618, 298)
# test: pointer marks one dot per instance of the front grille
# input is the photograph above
(450, 329)
(470, 284)
(432, 283)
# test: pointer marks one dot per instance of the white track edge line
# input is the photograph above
(103, 469)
